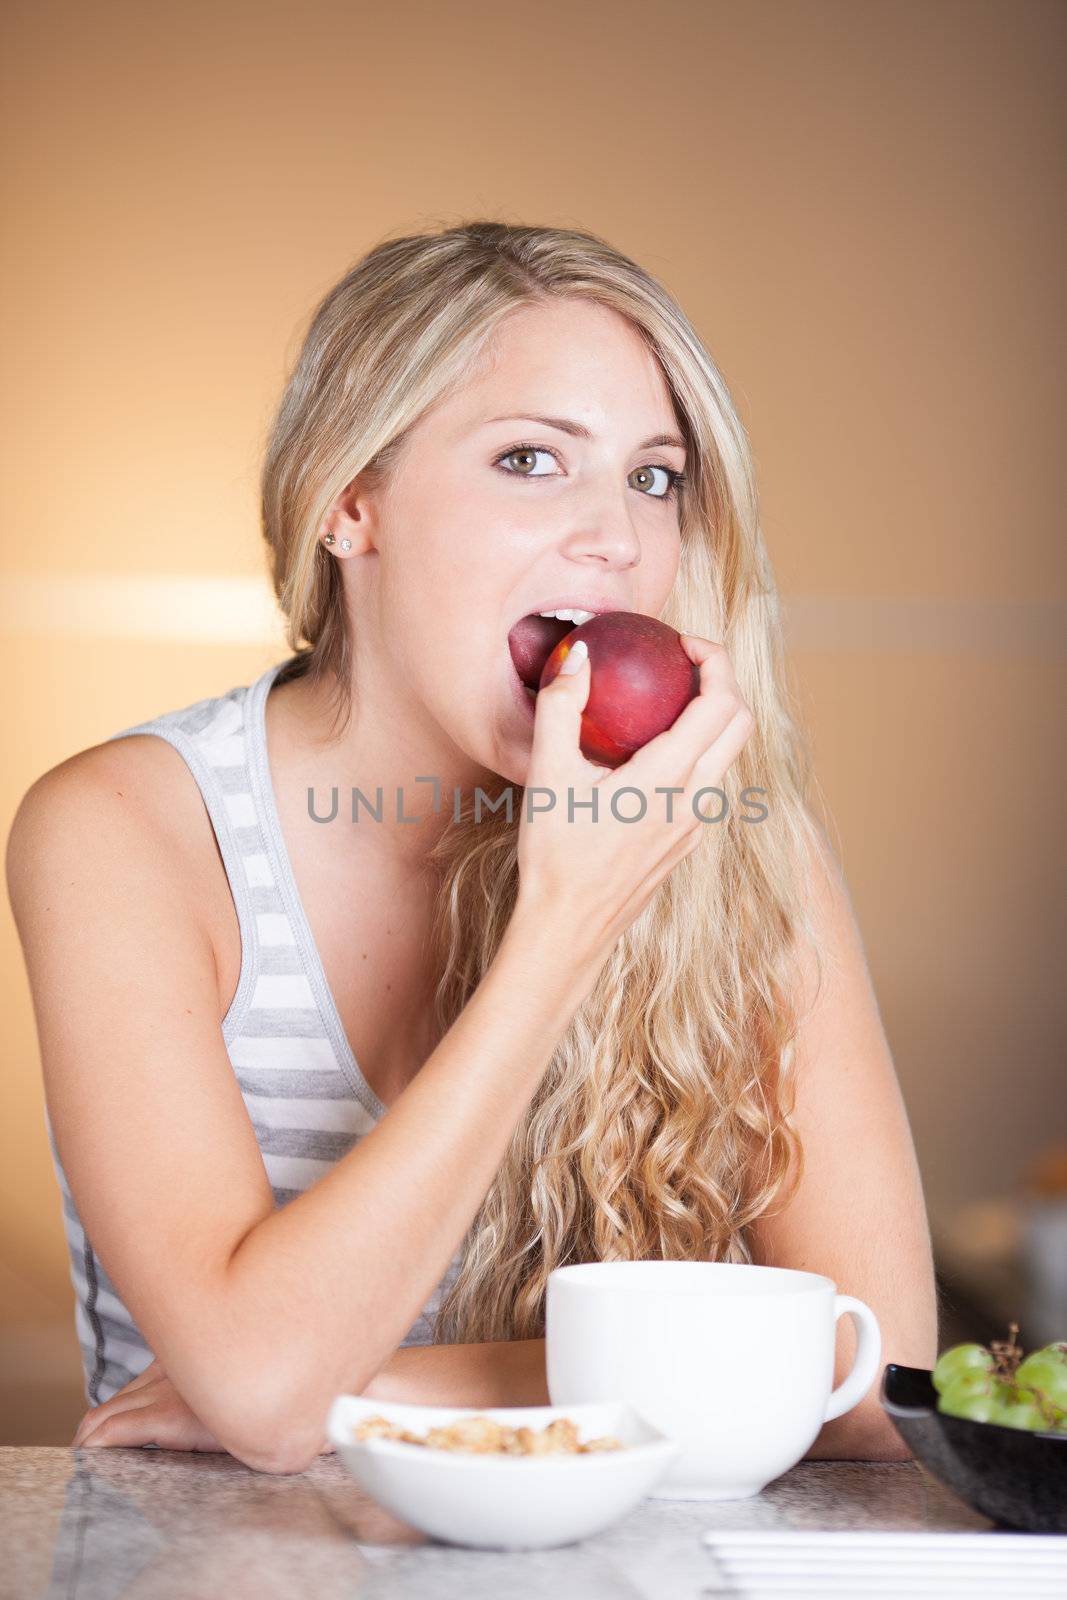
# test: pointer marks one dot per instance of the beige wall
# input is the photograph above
(859, 205)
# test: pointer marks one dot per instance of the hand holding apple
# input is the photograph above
(593, 866)
(641, 678)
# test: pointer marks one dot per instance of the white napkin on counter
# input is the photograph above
(769, 1563)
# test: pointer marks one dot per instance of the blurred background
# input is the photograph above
(859, 204)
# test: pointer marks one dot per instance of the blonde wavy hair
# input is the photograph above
(662, 1125)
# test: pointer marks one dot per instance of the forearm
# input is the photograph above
(512, 1373)
(503, 1373)
(865, 1433)
(366, 1245)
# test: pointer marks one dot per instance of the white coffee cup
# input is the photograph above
(736, 1361)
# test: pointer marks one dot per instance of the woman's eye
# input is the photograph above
(666, 479)
(526, 455)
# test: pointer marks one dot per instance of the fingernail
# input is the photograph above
(576, 655)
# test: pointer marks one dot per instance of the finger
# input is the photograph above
(698, 725)
(728, 746)
(160, 1423)
(95, 1419)
(104, 1420)
(119, 1402)
(81, 1430)
(712, 766)
(92, 1419)
(96, 1414)
(558, 713)
(697, 648)
(153, 1373)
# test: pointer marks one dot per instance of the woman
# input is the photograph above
(593, 1038)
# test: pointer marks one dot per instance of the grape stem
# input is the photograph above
(1007, 1353)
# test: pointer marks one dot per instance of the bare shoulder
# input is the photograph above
(833, 953)
(123, 796)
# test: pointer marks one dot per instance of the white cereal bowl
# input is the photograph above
(498, 1502)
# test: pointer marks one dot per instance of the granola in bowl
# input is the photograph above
(481, 1435)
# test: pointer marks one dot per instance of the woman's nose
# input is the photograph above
(607, 534)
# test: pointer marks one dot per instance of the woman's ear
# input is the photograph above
(352, 518)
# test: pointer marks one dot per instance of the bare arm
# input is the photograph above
(447, 1133)
(250, 1310)
(858, 1215)
(507, 1372)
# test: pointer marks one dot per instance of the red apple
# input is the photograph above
(640, 680)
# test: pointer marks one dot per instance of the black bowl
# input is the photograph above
(1018, 1479)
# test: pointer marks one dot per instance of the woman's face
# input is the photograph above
(490, 514)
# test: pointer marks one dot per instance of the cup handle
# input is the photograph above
(851, 1390)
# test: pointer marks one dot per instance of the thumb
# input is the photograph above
(559, 706)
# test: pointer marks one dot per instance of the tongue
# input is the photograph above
(531, 642)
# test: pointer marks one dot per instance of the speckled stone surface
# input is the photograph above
(99, 1523)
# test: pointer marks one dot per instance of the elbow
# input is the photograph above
(267, 1404)
(274, 1430)
(282, 1461)
(877, 1439)
(249, 1413)
(274, 1443)
(884, 1444)
(866, 1433)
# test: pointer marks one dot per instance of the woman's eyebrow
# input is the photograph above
(565, 425)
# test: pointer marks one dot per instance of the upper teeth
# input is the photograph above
(576, 616)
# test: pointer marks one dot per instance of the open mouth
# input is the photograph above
(531, 642)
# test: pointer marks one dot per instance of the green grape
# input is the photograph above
(1055, 1352)
(975, 1407)
(970, 1383)
(1020, 1409)
(1045, 1370)
(960, 1359)
(977, 1396)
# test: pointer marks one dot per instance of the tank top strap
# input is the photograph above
(213, 736)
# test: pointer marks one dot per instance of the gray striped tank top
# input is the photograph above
(305, 1094)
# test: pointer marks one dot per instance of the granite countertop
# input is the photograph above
(99, 1523)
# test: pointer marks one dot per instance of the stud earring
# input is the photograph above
(346, 544)
(329, 539)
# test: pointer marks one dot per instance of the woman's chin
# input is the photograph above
(505, 735)
(512, 753)
(513, 746)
